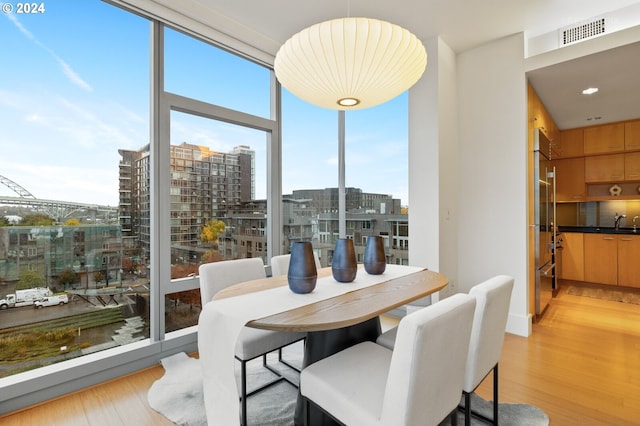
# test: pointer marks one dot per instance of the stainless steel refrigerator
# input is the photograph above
(545, 231)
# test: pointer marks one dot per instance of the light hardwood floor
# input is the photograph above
(581, 366)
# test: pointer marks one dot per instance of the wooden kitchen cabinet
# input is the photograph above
(629, 260)
(571, 143)
(601, 258)
(632, 135)
(604, 168)
(540, 118)
(572, 257)
(632, 166)
(570, 179)
(604, 139)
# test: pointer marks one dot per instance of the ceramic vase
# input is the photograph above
(374, 258)
(343, 265)
(302, 273)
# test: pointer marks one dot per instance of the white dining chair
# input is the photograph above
(487, 337)
(485, 347)
(252, 343)
(418, 383)
(280, 264)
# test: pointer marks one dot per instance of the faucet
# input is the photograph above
(616, 220)
(634, 223)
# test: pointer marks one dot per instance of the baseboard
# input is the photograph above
(521, 325)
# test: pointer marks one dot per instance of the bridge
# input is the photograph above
(58, 210)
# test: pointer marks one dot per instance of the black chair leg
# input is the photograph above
(454, 417)
(467, 409)
(467, 403)
(307, 414)
(495, 395)
(243, 402)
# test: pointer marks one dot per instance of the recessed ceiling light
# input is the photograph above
(590, 91)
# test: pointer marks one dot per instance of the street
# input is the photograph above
(12, 317)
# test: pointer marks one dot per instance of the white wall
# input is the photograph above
(432, 172)
(492, 98)
(424, 165)
(467, 213)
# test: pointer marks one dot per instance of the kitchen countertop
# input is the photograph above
(598, 230)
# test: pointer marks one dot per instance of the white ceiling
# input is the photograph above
(615, 72)
(461, 24)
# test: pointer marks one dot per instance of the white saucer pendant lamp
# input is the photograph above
(350, 63)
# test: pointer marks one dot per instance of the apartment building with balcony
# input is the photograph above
(311, 215)
(204, 185)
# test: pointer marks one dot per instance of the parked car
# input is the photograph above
(60, 299)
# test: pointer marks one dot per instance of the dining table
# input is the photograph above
(334, 316)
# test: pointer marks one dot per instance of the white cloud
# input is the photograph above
(66, 68)
(71, 74)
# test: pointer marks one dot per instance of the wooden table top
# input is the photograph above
(345, 310)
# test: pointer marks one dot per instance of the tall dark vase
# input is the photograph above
(374, 259)
(302, 274)
(343, 265)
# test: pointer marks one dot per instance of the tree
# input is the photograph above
(30, 279)
(211, 230)
(4, 221)
(72, 222)
(129, 265)
(211, 256)
(37, 219)
(99, 276)
(67, 277)
(183, 270)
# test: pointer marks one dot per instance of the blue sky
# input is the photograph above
(74, 89)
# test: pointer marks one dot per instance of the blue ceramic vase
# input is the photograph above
(343, 265)
(374, 258)
(302, 273)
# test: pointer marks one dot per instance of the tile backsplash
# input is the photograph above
(598, 213)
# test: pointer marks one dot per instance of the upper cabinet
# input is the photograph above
(541, 119)
(632, 166)
(571, 143)
(632, 135)
(604, 168)
(611, 155)
(608, 138)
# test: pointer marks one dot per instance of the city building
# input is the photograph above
(204, 185)
(312, 215)
(92, 252)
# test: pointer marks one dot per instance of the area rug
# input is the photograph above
(624, 296)
(508, 414)
(177, 395)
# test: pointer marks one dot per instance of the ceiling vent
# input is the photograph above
(581, 31)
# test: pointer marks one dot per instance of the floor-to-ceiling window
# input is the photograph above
(219, 128)
(74, 96)
(113, 193)
(376, 177)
